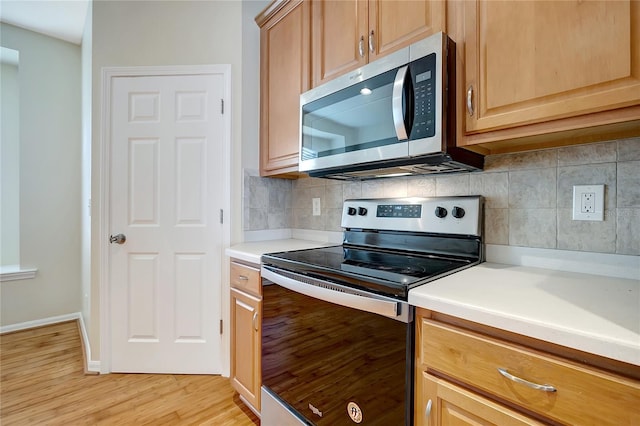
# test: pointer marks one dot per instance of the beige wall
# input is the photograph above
(251, 85)
(50, 146)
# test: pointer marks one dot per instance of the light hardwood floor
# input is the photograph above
(42, 382)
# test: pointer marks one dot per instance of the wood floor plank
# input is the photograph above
(42, 382)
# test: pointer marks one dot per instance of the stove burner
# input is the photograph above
(406, 270)
(398, 269)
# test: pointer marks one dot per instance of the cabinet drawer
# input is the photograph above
(582, 395)
(245, 278)
(447, 404)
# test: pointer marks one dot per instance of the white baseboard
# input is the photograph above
(40, 322)
(93, 366)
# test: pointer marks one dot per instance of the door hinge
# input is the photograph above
(221, 327)
(221, 216)
(221, 106)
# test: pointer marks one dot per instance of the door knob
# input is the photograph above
(118, 239)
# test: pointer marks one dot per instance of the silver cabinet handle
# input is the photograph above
(118, 239)
(254, 320)
(361, 47)
(427, 412)
(243, 278)
(372, 45)
(470, 101)
(545, 388)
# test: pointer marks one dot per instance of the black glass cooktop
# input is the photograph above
(379, 271)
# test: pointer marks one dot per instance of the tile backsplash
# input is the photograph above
(528, 197)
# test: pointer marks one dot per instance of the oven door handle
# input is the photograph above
(390, 309)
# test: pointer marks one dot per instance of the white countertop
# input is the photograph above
(595, 314)
(252, 251)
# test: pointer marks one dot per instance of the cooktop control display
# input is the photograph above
(399, 210)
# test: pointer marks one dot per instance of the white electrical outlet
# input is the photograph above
(316, 206)
(588, 202)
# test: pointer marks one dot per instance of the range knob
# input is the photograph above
(351, 211)
(457, 212)
(441, 212)
(362, 211)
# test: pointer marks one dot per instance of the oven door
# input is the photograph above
(330, 357)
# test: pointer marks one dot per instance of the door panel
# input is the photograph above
(190, 272)
(166, 177)
(141, 303)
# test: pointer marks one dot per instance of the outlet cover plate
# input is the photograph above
(588, 202)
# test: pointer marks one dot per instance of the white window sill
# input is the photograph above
(15, 272)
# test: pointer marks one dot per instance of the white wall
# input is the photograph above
(10, 167)
(50, 146)
(251, 84)
(150, 33)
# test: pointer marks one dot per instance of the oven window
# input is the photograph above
(319, 357)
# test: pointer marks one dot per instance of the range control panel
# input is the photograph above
(399, 210)
(444, 215)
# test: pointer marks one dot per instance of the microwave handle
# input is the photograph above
(396, 103)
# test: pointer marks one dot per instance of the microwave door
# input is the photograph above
(351, 126)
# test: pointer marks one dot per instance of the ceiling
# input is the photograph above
(63, 19)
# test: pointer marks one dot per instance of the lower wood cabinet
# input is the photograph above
(447, 404)
(246, 316)
(469, 376)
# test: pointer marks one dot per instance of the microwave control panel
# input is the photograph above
(423, 73)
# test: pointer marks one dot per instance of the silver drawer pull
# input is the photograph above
(243, 278)
(545, 388)
(427, 412)
(470, 101)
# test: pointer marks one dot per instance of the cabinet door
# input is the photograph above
(350, 33)
(245, 346)
(536, 61)
(339, 38)
(285, 74)
(442, 403)
(396, 24)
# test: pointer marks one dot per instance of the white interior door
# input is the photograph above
(165, 197)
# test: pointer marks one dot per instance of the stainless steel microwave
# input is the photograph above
(394, 116)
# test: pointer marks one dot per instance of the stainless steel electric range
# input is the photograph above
(337, 331)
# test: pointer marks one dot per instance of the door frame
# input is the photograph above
(104, 216)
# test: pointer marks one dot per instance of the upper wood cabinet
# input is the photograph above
(350, 33)
(569, 63)
(284, 74)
